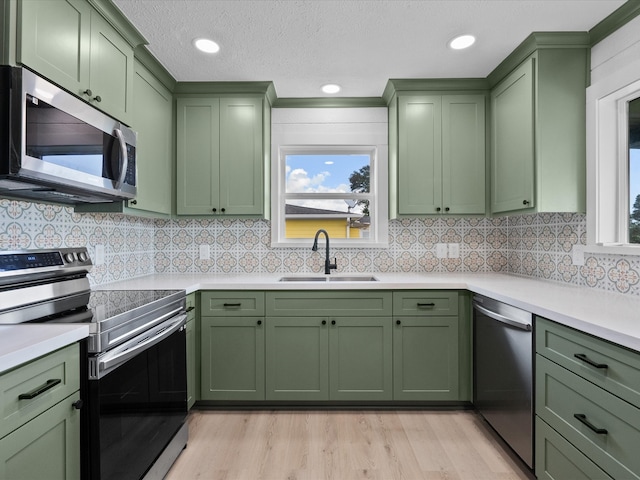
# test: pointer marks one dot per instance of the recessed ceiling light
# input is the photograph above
(331, 88)
(206, 45)
(463, 41)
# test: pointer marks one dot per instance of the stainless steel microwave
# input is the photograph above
(54, 147)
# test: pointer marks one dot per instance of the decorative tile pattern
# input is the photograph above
(535, 245)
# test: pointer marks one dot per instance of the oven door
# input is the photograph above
(137, 401)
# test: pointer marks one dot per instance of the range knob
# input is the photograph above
(69, 257)
(82, 256)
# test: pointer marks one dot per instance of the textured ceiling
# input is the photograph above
(359, 44)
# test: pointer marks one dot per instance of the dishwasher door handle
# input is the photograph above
(502, 318)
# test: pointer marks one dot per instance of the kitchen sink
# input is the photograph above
(327, 278)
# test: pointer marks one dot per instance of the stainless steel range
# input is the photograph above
(134, 391)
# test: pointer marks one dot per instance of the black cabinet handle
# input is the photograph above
(97, 98)
(134, 202)
(41, 389)
(231, 305)
(398, 322)
(585, 359)
(78, 404)
(582, 418)
(190, 309)
(259, 322)
(324, 322)
(425, 305)
(333, 322)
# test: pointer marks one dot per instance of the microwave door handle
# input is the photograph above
(124, 162)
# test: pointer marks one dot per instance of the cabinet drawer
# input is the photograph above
(561, 344)
(340, 303)
(425, 303)
(561, 395)
(56, 376)
(557, 459)
(232, 304)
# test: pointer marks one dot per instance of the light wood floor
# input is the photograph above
(342, 445)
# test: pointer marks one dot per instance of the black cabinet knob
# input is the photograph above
(223, 210)
(324, 322)
(214, 210)
(398, 322)
(333, 322)
(438, 209)
(77, 404)
(447, 209)
(259, 322)
(525, 202)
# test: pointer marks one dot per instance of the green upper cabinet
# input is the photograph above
(437, 154)
(220, 156)
(153, 120)
(538, 126)
(512, 156)
(73, 45)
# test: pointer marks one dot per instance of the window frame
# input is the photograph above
(377, 203)
(608, 162)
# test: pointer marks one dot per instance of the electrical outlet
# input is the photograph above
(205, 252)
(441, 250)
(99, 260)
(577, 255)
(454, 250)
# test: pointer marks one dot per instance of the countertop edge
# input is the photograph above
(23, 343)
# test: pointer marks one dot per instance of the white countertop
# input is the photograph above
(25, 342)
(611, 316)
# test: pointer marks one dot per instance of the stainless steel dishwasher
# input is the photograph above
(503, 372)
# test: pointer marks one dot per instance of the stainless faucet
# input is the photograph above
(328, 266)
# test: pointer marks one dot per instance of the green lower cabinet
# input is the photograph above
(46, 447)
(329, 358)
(232, 353)
(360, 358)
(426, 358)
(297, 358)
(557, 459)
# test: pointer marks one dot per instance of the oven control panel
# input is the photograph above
(27, 260)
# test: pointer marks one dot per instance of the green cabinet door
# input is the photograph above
(233, 358)
(419, 154)
(241, 161)
(360, 358)
(426, 358)
(297, 358)
(111, 70)
(220, 156)
(70, 43)
(55, 38)
(198, 155)
(153, 120)
(463, 154)
(512, 158)
(46, 447)
(441, 155)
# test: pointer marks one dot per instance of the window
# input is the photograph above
(324, 177)
(613, 163)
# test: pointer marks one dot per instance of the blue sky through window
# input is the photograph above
(322, 173)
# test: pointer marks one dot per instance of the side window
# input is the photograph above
(634, 170)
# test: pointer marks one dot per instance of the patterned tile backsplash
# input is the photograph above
(534, 245)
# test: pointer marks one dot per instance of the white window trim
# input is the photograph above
(332, 131)
(607, 162)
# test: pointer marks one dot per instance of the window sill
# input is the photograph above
(613, 249)
(307, 243)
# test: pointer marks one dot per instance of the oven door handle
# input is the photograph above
(122, 354)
